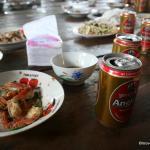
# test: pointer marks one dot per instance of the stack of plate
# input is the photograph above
(77, 10)
(19, 4)
(1, 6)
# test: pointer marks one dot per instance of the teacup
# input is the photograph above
(74, 67)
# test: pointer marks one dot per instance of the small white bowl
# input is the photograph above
(1, 55)
(74, 67)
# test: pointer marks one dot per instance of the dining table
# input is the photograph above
(75, 126)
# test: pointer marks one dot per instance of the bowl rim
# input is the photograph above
(52, 63)
(1, 55)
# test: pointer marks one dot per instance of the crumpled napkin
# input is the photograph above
(112, 15)
(43, 26)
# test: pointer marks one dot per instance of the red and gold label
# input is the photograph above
(127, 23)
(141, 5)
(122, 100)
(119, 73)
(132, 52)
(128, 47)
(145, 46)
(145, 32)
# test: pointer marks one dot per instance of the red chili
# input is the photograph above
(33, 83)
(48, 110)
(24, 80)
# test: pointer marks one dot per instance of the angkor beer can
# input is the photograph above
(141, 5)
(148, 6)
(129, 2)
(127, 22)
(128, 44)
(145, 32)
(117, 88)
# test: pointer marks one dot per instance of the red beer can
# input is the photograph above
(145, 32)
(117, 88)
(127, 22)
(129, 2)
(128, 44)
(142, 5)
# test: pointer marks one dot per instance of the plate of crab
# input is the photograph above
(27, 99)
(12, 39)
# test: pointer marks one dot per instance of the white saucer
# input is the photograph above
(76, 10)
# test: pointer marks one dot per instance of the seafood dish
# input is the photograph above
(27, 99)
(20, 104)
(12, 37)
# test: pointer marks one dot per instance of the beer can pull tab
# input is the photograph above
(122, 62)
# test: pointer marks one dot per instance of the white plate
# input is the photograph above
(95, 13)
(76, 12)
(9, 47)
(76, 31)
(1, 55)
(12, 46)
(50, 88)
(116, 5)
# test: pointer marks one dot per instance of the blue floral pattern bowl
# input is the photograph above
(74, 75)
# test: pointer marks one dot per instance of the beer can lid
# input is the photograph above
(128, 12)
(146, 20)
(129, 37)
(122, 61)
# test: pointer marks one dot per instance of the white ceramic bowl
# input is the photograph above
(1, 55)
(74, 67)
